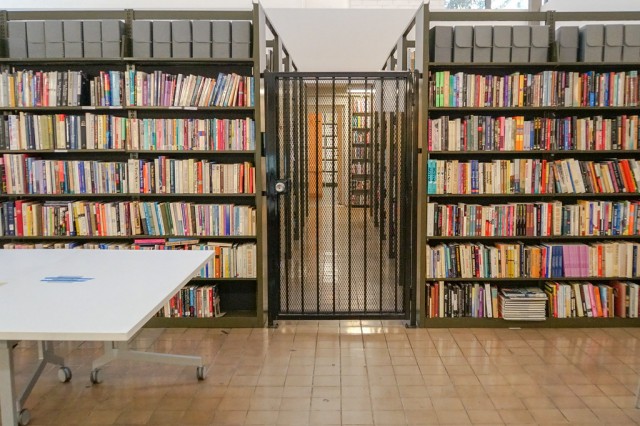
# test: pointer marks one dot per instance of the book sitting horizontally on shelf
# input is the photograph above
(523, 304)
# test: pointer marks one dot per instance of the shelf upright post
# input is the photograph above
(422, 74)
(258, 53)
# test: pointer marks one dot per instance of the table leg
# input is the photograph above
(7, 385)
(120, 350)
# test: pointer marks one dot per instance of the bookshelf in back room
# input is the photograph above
(361, 156)
(155, 153)
(532, 177)
(330, 136)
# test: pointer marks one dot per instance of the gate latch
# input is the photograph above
(282, 186)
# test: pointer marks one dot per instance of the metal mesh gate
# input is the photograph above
(341, 160)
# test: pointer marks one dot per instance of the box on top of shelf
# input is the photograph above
(181, 38)
(54, 42)
(613, 42)
(520, 43)
(441, 44)
(141, 39)
(92, 39)
(221, 38)
(539, 49)
(567, 42)
(482, 43)
(72, 36)
(112, 30)
(35, 39)
(161, 37)
(462, 43)
(631, 47)
(501, 51)
(201, 39)
(17, 39)
(591, 43)
(241, 39)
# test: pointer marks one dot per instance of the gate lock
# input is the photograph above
(282, 186)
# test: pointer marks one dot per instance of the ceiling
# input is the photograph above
(340, 39)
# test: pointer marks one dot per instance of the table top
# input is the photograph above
(101, 295)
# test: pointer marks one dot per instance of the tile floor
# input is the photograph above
(352, 373)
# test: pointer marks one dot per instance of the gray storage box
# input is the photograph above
(72, 36)
(221, 39)
(241, 39)
(181, 38)
(141, 39)
(613, 42)
(441, 44)
(462, 43)
(161, 39)
(54, 43)
(592, 43)
(631, 47)
(482, 43)
(567, 42)
(17, 39)
(201, 35)
(539, 49)
(35, 39)
(520, 43)
(112, 30)
(501, 51)
(92, 39)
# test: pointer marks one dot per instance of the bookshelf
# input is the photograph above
(362, 155)
(330, 145)
(141, 171)
(468, 220)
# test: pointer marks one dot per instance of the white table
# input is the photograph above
(122, 290)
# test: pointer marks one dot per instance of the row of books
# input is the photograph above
(474, 300)
(484, 300)
(91, 131)
(486, 133)
(124, 218)
(360, 168)
(360, 122)
(546, 88)
(22, 174)
(193, 302)
(162, 89)
(532, 176)
(539, 219)
(585, 299)
(514, 260)
(230, 260)
(360, 138)
(29, 88)
(166, 175)
(361, 104)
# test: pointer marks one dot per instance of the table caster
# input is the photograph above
(201, 373)
(96, 376)
(24, 417)
(64, 374)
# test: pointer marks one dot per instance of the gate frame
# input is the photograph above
(271, 151)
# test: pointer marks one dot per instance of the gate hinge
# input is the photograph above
(264, 193)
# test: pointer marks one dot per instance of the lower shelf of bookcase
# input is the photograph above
(548, 323)
(232, 319)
